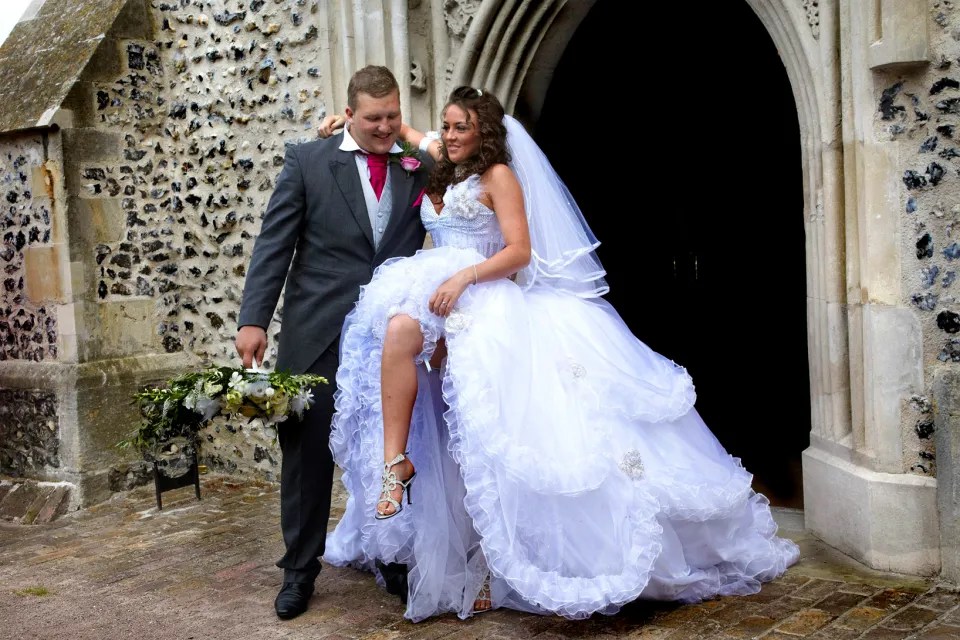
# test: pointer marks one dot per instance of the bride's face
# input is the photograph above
(461, 137)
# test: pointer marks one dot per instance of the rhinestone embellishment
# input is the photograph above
(632, 464)
(577, 369)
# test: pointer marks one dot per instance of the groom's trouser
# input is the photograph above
(306, 477)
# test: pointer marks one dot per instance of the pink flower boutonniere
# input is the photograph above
(407, 157)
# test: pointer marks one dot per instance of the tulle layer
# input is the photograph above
(553, 449)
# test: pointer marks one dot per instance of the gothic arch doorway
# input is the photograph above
(705, 245)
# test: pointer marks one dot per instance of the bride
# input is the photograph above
(500, 430)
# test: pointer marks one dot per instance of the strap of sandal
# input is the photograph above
(390, 482)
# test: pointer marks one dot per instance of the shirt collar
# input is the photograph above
(349, 144)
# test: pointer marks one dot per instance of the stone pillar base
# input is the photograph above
(887, 521)
(90, 408)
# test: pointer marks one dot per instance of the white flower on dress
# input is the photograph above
(457, 321)
(466, 209)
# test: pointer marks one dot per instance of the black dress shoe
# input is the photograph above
(292, 599)
(395, 577)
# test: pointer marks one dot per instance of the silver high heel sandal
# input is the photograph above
(391, 482)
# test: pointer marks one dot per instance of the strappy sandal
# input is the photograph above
(390, 483)
(483, 596)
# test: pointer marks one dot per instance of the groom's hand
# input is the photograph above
(251, 342)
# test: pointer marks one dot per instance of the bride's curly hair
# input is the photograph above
(493, 139)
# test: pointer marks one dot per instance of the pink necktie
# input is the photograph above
(377, 163)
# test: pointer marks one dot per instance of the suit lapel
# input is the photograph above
(344, 170)
(401, 183)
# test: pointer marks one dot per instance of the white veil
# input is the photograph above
(563, 247)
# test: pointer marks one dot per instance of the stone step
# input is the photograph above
(24, 501)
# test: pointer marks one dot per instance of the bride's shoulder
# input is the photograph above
(497, 170)
(498, 174)
(500, 180)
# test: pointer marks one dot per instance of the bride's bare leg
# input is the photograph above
(398, 392)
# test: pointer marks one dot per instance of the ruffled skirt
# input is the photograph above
(554, 451)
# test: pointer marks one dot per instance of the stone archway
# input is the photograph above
(519, 74)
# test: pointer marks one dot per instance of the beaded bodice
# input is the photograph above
(464, 221)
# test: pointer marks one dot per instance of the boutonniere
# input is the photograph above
(407, 157)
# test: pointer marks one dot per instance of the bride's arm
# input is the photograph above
(330, 124)
(507, 198)
(428, 142)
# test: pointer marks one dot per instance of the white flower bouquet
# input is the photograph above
(184, 405)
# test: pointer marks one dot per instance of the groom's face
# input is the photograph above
(375, 122)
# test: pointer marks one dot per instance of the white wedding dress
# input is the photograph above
(553, 449)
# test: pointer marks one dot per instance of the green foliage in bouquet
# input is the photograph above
(182, 406)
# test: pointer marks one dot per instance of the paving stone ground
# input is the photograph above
(204, 570)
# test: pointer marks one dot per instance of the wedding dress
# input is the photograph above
(555, 452)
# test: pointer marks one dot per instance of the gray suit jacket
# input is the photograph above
(316, 238)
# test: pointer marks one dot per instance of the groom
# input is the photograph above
(341, 207)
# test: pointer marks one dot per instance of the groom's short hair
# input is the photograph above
(373, 80)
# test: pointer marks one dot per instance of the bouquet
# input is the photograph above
(177, 410)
